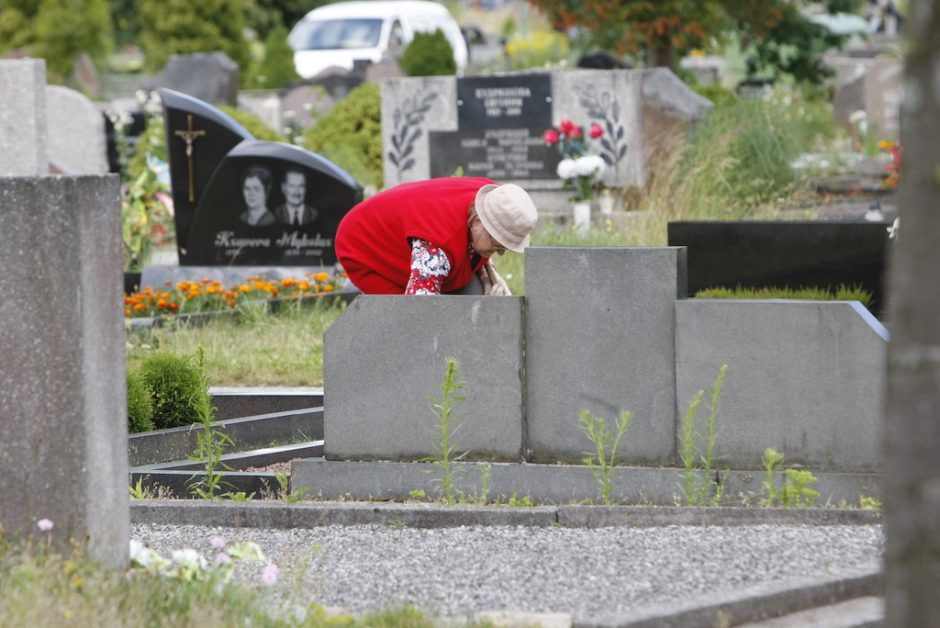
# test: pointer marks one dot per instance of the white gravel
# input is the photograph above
(582, 572)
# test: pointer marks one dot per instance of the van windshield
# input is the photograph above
(336, 34)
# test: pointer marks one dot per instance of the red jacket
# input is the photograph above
(372, 242)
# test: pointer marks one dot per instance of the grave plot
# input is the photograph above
(262, 445)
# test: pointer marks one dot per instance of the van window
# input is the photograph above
(336, 34)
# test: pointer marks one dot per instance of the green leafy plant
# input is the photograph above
(699, 485)
(275, 69)
(537, 50)
(448, 424)
(210, 443)
(869, 503)
(287, 495)
(139, 403)
(179, 389)
(351, 135)
(428, 54)
(520, 502)
(606, 446)
(181, 27)
(795, 492)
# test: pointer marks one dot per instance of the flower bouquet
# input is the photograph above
(580, 170)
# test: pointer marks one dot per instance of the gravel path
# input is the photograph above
(581, 572)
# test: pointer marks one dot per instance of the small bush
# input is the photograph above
(275, 69)
(139, 404)
(539, 49)
(178, 389)
(428, 54)
(253, 124)
(351, 135)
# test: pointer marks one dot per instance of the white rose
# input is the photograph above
(589, 165)
(566, 169)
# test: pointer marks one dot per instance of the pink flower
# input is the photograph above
(575, 132)
(550, 136)
(567, 127)
(269, 575)
(217, 542)
(45, 524)
(596, 131)
(223, 558)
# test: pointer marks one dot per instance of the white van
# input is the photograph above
(338, 34)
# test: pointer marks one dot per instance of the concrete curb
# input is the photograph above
(752, 604)
(279, 515)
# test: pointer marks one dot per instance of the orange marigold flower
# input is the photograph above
(193, 293)
(140, 307)
(162, 304)
(183, 286)
(885, 145)
(327, 288)
(322, 276)
(304, 285)
(174, 306)
(206, 280)
(287, 282)
(243, 288)
(212, 289)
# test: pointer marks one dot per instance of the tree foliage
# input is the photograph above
(275, 69)
(781, 36)
(183, 26)
(428, 54)
(64, 29)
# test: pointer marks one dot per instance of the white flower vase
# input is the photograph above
(606, 204)
(582, 216)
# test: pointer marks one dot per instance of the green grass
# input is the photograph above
(41, 588)
(253, 349)
(842, 293)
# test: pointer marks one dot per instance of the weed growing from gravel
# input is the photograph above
(795, 492)
(604, 457)
(448, 426)
(699, 484)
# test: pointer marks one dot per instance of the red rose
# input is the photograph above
(567, 127)
(596, 131)
(575, 132)
(550, 136)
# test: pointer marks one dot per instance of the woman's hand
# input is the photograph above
(493, 284)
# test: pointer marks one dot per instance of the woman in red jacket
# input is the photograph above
(434, 236)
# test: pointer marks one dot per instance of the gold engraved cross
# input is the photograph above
(189, 136)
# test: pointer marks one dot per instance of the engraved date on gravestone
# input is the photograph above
(490, 102)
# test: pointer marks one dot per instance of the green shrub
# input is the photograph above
(178, 389)
(428, 54)
(16, 23)
(182, 27)
(139, 404)
(253, 124)
(537, 50)
(351, 135)
(63, 29)
(721, 96)
(842, 293)
(276, 68)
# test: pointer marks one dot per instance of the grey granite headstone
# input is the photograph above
(23, 117)
(385, 358)
(804, 377)
(76, 132)
(209, 76)
(492, 126)
(600, 330)
(63, 414)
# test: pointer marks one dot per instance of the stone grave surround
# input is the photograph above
(492, 126)
(63, 414)
(607, 329)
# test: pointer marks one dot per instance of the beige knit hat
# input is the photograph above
(507, 214)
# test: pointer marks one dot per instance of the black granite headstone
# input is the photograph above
(245, 218)
(240, 201)
(784, 254)
(500, 122)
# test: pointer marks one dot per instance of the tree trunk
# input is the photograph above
(661, 54)
(911, 486)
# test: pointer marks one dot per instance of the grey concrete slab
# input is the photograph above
(241, 460)
(545, 483)
(23, 117)
(231, 403)
(306, 515)
(384, 359)
(747, 605)
(805, 377)
(63, 453)
(255, 431)
(863, 612)
(600, 327)
(75, 132)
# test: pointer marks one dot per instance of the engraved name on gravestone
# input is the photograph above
(240, 201)
(500, 121)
